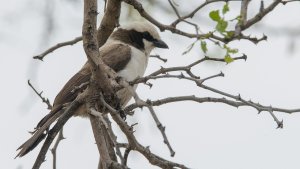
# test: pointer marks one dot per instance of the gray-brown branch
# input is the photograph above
(59, 45)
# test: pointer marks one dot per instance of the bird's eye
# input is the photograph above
(147, 36)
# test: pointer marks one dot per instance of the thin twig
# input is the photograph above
(180, 18)
(260, 15)
(59, 45)
(45, 100)
(188, 67)
(160, 58)
(258, 107)
(162, 129)
(190, 15)
(60, 137)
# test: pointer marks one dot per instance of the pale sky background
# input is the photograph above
(210, 136)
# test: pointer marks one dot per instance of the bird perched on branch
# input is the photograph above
(126, 51)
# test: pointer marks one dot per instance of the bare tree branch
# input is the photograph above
(45, 100)
(160, 58)
(243, 17)
(187, 98)
(99, 134)
(190, 15)
(59, 45)
(126, 155)
(54, 149)
(134, 145)
(288, 1)
(187, 69)
(109, 21)
(113, 137)
(100, 82)
(260, 15)
(258, 107)
(161, 129)
(179, 17)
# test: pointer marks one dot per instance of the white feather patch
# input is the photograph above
(136, 66)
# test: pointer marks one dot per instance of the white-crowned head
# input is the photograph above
(141, 35)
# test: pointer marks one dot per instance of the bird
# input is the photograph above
(126, 51)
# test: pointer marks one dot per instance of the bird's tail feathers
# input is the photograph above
(40, 132)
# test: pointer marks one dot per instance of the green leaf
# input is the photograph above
(230, 50)
(233, 51)
(221, 26)
(215, 16)
(203, 46)
(228, 59)
(225, 8)
(229, 34)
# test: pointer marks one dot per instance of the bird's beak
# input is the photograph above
(160, 44)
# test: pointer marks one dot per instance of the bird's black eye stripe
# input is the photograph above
(148, 37)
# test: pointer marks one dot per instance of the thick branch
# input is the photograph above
(109, 21)
(100, 81)
(102, 144)
(100, 70)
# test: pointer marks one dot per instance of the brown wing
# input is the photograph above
(115, 56)
(68, 93)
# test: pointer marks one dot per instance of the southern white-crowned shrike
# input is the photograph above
(126, 51)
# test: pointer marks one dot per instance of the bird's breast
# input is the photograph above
(136, 66)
